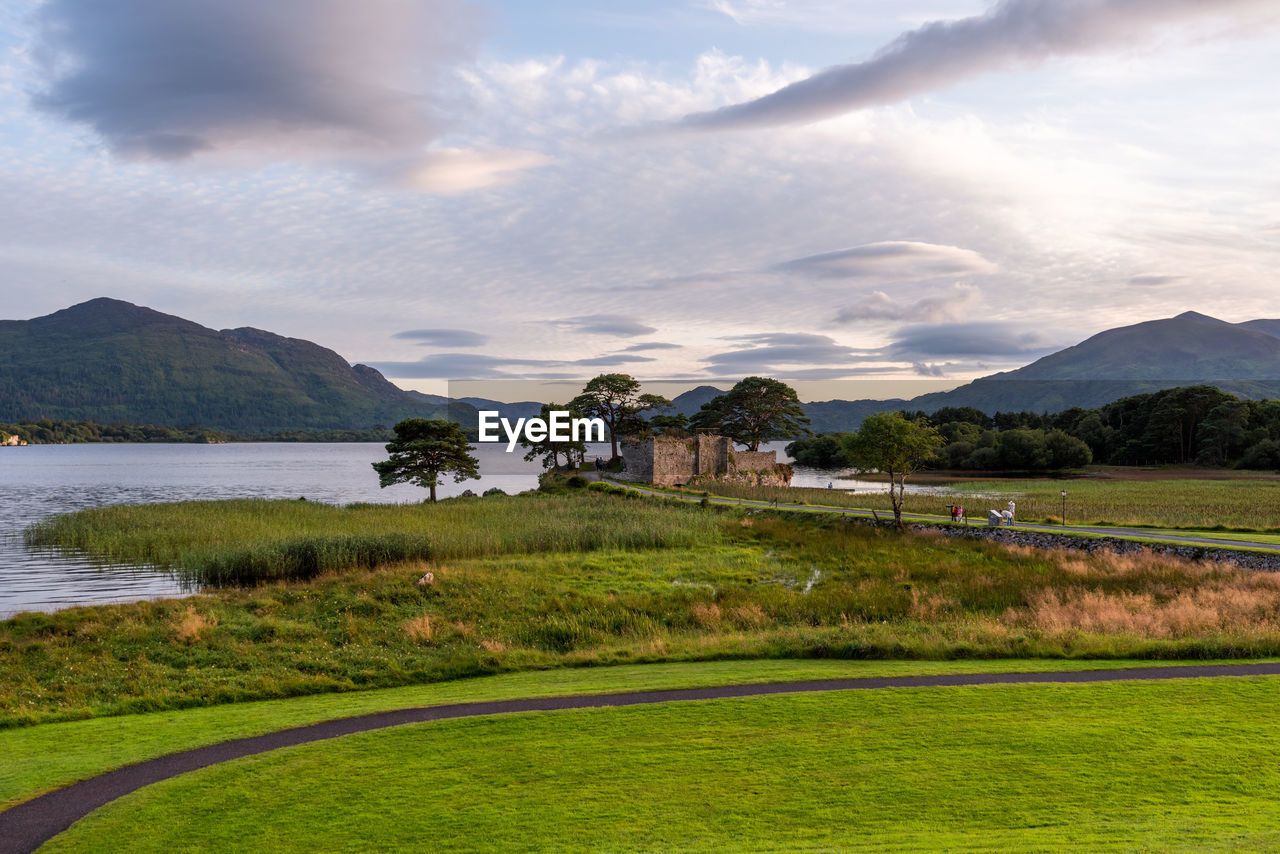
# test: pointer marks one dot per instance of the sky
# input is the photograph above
(906, 192)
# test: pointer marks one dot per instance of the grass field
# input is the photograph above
(1118, 767)
(714, 585)
(39, 758)
(1246, 505)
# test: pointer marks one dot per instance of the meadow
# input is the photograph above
(536, 582)
(1190, 504)
(1118, 767)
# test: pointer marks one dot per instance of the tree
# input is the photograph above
(616, 400)
(422, 450)
(888, 443)
(550, 451)
(819, 452)
(755, 410)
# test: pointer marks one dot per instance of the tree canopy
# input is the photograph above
(755, 410)
(616, 400)
(424, 449)
(890, 444)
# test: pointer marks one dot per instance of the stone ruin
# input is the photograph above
(667, 461)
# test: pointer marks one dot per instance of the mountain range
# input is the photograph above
(111, 361)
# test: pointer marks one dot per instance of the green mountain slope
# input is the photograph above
(107, 360)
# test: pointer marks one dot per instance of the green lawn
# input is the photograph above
(1188, 766)
(39, 758)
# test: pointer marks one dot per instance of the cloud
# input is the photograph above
(170, 80)
(799, 355)
(444, 337)
(950, 305)
(652, 345)
(891, 259)
(605, 324)
(1013, 33)
(1153, 280)
(449, 171)
(476, 366)
(919, 343)
(615, 359)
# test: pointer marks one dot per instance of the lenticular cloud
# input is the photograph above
(1015, 33)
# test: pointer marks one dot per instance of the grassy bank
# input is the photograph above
(720, 586)
(1247, 505)
(1118, 767)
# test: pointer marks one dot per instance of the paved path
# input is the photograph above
(29, 825)
(1160, 534)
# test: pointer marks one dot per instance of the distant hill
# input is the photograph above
(111, 361)
(689, 402)
(510, 411)
(1240, 358)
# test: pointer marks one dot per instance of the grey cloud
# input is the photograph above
(785, 352)
(444, 337)
(1013, 33)
(475, 366)
(459, 366)
(1155, 280)
(170, 79)
(951, 305)
(652, 345)
(899, 259)
(921, 342)
(926, 369)
(616, 359)
(606, 324)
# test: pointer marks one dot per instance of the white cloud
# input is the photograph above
(449, 171)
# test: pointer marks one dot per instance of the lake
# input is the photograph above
(41, 480)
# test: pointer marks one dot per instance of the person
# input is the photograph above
(959, 513)
(830, 485)
(1012, 508)
(955, 512)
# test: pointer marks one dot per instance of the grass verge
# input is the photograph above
(39, 758)
(1127, 766)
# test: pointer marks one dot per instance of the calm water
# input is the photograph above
(42, 480)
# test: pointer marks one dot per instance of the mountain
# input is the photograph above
(109, 361)
(689, 402)
(1191, 349)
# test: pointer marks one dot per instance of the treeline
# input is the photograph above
(1191, 425)
(50, 432)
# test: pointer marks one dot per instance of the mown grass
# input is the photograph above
(1246, 505)
(248, 541)
(747, 586)
(1119, 767)
(39, 758)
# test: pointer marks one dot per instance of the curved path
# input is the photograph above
(1162, 535)
(29, 825)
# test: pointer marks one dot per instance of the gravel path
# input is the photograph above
(29, 825)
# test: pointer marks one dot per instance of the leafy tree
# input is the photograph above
(755, 410)
(888, 443)
(819, 452)
(616, 400)
(424, 449)
(670, 425)
(550, 451)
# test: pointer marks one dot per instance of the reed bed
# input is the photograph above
(239, 542)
